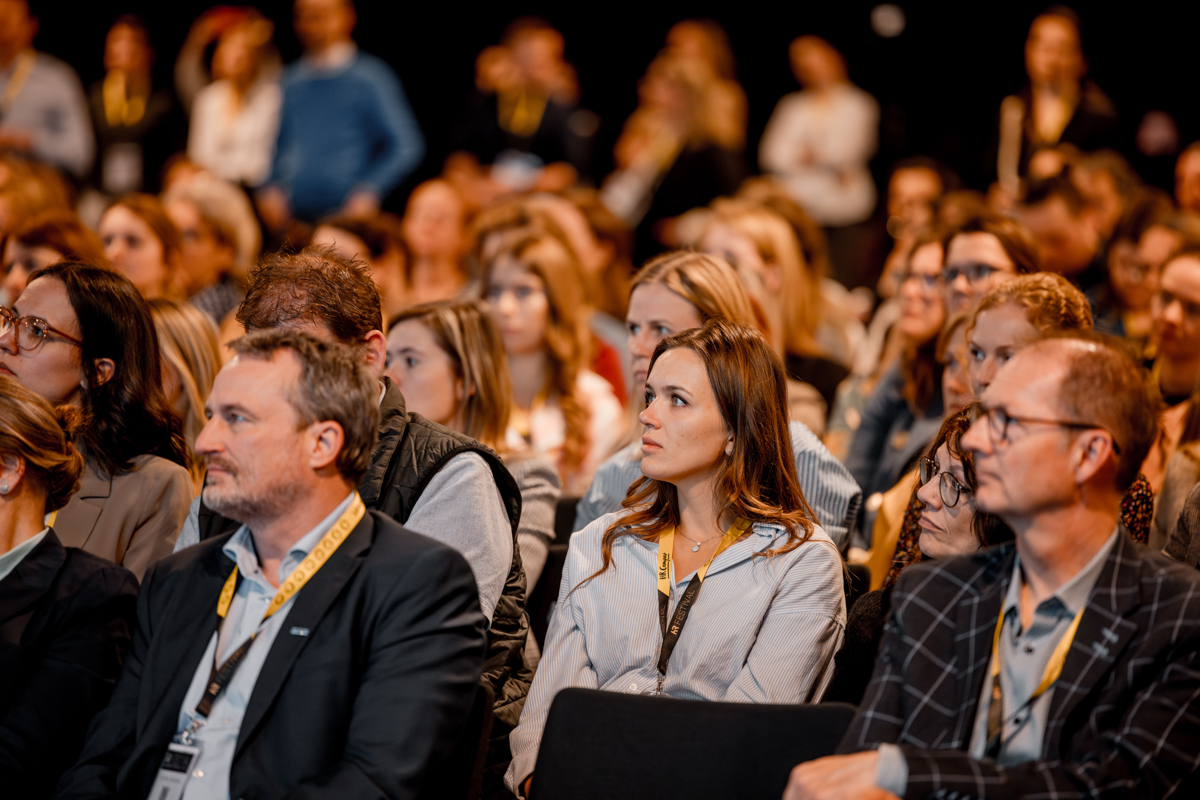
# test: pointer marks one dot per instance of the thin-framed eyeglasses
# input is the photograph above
(927, 284)
(32, 332)
(998, 421)
(975, 271)
(949, 488)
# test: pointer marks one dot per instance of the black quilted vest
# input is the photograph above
(410, 451)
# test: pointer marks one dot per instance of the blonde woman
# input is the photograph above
(680, 291)
(191, 358)
(809, 330)
(560, 409)
(448, 360)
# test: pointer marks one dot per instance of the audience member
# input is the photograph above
(42, 240)
(448, 360)
(1108, 185)
(1088, 680)
(191, 356)
(982, 254)
(435, 231)
(235, 119)
(142, 243)
(1065, 235)
(521, 129)
(703, 45)
(1058, 104)
(668, 160)
(322, 164)
(81, 335)
(816, 340)
(1180, 464)
(426, 477)
(378, 241)
(392, 633)
(45, 111)
(677, 292)
(1175, 310)
(715, 461)
(28, 188)
(560, 409)
(819, 140)
(949, 525)
(219, 243)
(67, 613)
(913, 191)
(1187, 178)
(137, 126)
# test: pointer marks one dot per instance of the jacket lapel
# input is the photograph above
(308, 609)
(1104, 629)
(977, 617)
(76, 521)
(21, 589)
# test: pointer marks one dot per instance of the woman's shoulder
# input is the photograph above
(150, 470)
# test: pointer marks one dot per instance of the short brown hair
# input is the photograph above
(1106, 386)
(1013, 236)
(40, 435)
(63, 232)
(315, 286)
(149, 210)
(334, 386)
(1050, 301)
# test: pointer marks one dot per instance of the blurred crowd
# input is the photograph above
(520, 299)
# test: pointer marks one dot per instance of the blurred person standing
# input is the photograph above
(349, 646)
(67, 614)
(323, 164)
(81, 335)
(44, 110)
(235, 119)
(1175, 310)
(142, 243)
(434, 229)
(219, 243)
(42, 240)
(138, 127)
(818, 143)
(704, 43)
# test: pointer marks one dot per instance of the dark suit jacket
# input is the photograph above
(1125, 714)
(378, 690)
(65, 618)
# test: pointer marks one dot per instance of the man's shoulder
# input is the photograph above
(958, 576)
(395, 548)
(53, 67)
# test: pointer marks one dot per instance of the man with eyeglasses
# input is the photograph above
(1064, 665)
(1175, 310)
(980, 256)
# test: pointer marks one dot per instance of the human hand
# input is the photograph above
(849, 777)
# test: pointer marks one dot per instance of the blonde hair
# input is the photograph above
(548, 257)
(777, 245)
(705, 281)
(188, 342)
(469, 336)
(40, 435)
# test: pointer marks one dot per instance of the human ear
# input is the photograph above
(729, 447)
(104, 369)
(12, 470)
(327, 441)
(375, 353)
(1095, 451)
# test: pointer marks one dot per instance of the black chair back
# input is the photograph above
(603, 745)
(460, 777)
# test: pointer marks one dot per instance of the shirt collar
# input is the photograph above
(336, 56)
(240, 546)
(10, 560)
(1074, 593)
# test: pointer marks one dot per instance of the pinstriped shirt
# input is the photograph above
(827, 484)
(762, 630)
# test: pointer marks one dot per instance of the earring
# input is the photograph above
(3, 488)
(729, 448)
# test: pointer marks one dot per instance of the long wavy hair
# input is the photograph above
(757, 481)
(127, 415)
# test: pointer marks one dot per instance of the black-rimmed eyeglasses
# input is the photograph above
(998, 421)
(949, 488)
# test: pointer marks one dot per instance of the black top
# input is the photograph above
(65, 622)
(856, 660)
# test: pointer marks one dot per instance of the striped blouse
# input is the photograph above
(826, 483)
(763, 630)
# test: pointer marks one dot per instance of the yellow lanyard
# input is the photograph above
(666, 541)
(20, 74)
(315, 559)
(1054, 667)
(53, 515)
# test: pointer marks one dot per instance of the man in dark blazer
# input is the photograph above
(956, 709)
(358, 645)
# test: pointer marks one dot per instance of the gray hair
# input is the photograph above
(334, 386)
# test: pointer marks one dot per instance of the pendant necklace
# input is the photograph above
(695, 544)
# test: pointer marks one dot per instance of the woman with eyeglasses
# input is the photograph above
(82, 336)
(66, 614)
(948, 524)
(981, 255)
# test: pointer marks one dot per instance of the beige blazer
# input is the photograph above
(131, 519)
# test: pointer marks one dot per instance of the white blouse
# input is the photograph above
(235, 143)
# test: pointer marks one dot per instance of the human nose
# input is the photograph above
(206, 440)
(649, 416)
(506, 302)
(1173, 312)
(928, 493)
(982, 375)
(641, 344)
(977, 439)
(8, 337)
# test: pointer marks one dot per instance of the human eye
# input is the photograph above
(662, 331)
(977, 354)
(410, 361)
(678, 401)
(523, 293)
(493, 293)
(633, 328)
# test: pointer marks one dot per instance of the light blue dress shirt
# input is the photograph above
(762, 630)
(217, 738)
(10, 560)
(1024, 655)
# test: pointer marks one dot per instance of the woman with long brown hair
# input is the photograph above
(716, 539)
(560, 409)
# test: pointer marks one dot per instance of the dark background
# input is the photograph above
(939, 83)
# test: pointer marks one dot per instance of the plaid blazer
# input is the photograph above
(1125, 714)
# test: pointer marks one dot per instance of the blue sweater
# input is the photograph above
(342, 130)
